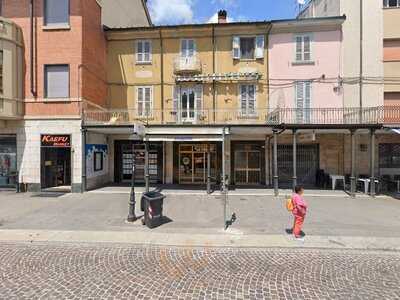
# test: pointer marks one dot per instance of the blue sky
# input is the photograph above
(201, 11)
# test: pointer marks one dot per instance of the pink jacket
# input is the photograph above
(300, 206)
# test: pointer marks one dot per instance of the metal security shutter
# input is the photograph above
(57, 81)
(56, 12)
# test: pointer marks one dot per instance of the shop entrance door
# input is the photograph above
(247, 167)
(56, 167)
(307, 164)
(193, 163)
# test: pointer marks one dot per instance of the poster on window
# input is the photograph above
(96, 160)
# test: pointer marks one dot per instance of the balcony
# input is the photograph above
(269, 117)
(187, 65)
(11, 109)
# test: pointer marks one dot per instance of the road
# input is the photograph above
(116, 271)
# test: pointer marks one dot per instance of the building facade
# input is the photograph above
(65, 69)
(11, 98)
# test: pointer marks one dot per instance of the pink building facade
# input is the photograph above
(305, 68)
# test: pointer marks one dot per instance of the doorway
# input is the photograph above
(307, 164)
(55, 161)
(188, 105)
(56, 167)
(248, 163)
(193, 163)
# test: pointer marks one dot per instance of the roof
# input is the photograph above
(146, 10)
(278, 23)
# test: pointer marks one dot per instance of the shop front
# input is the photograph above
(248, 163)
(192, 160)
(8, 161)
(55, 161)
(125, 150)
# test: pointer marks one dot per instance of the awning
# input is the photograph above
(247, 76)
(185, 138)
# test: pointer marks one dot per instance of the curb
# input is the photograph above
(229, 238)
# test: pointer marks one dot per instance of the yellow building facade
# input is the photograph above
(190, 85)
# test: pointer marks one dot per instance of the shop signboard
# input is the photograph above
(50, 140)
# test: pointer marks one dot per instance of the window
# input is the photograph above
(303, 48)
(143, 51)
(144, 101)
(389, 155)
(391, 3)
(303, 101)
(56, 13)
(1, 71)
(188, 48)
(56, 81)
(248, 99)
(98, 161)
(248, 47)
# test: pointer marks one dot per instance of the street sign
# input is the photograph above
(139, 130)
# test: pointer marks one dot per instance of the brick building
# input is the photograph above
(64, 67)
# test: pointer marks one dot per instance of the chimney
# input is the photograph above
(222, 14)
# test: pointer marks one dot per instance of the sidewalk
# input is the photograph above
(363, 222)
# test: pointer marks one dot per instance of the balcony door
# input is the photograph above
(188, 105)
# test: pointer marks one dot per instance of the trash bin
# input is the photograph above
(153, 206)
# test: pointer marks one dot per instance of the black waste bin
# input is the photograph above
(152, 206)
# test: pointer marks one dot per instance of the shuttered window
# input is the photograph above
(56, 81)
(144, 101)
(248, 47)
(303, 101)
(303, 48)
(56, 12)
(143, 51)
(247, 99)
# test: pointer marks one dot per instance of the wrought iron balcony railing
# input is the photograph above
(312, 116)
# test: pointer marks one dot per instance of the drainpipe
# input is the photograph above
(361, 59)
(31, 8)
(162, 76)
(214, 83)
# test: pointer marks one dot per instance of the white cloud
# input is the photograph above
(171, 11)
(226, 3)
(214, 19)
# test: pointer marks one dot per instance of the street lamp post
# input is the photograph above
(132, 200)
(138, 131)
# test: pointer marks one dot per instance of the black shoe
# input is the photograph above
(289, 231)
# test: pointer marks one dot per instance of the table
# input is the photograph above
(337, 177)
(366, 182)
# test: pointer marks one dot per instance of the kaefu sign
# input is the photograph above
(50, 140)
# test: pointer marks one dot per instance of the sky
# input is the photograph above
(168, 12)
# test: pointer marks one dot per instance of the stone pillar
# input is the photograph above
(276, 179)
(353, 164)
(372, 162)
(294, 159)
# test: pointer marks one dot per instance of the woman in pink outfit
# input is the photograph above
(299, 210)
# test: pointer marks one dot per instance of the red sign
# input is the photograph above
(49, 140)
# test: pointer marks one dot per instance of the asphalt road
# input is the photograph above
(112, 271)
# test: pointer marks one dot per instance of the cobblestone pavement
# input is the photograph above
(105, 271)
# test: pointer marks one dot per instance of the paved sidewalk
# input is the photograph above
(197, 220)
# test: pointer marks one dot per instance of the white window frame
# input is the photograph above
(303, 113)
(302, 59)
(142, 113)
(386, 4)
(247, 112)
(259, 52)
(142, 54)
(186, 55)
